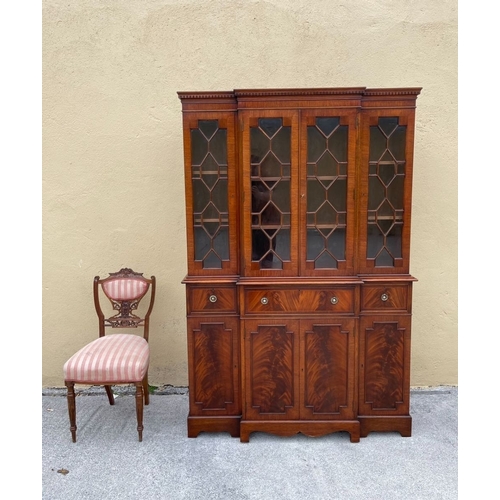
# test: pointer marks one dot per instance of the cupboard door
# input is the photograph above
(385, 191)
(211, 200)
(270, 178)
(271, 370)
(213, 345)
(328, 369)
(327, 180)
(384, 356)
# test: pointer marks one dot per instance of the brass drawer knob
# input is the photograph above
(334, 300)
(384, 297)
(264, 300)
(212, 298)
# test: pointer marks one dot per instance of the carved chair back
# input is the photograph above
(124, 289)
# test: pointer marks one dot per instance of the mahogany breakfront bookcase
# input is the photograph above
(298, 205)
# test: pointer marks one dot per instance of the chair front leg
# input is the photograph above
(145, 386)
(72, 409)
(109, 392)
(139, 406)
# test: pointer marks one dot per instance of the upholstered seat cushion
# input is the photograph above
(116, 358)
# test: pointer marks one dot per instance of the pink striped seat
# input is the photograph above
(113, 359)
(117, 358)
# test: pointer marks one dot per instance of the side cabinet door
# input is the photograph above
(271, 362)
(384, 386)
(328, 369)
(213, 366)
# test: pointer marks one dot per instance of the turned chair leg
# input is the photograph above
(145, 386)
(72, 409)
(139, 404)
(109, 392)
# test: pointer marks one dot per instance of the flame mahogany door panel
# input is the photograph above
(272, 369)
(328, 367)
(214, 382)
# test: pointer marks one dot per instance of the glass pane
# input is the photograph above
(208, 127)
(315, 243)
(270, 166)
(388, 124)
(221, 243)
(201, 243)
(210, 197)
(316, 144)
(375, 241)
(260, 145)
(384, 259)
(326, 215)
(281, 145)
(199, 147)
(281, 196)
(212, 261)
(283, 244)
(218, 147)
(397, 144)
(325, 261)
(270, 125)
(378, 144)
(336, 243)
(393, 240)
(327, 166)
(219, 195)
(337, 194)
(337, 143)
(395, 192)
(201, 195)
(315, 195)
(327, 124)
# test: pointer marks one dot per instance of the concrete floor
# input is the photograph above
(108, 462)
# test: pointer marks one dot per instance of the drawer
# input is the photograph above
(295, 300)
(208, 298)
(381, 297)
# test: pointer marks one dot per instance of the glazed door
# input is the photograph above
(271, 367)
(327, 180)
(328, 369)
(269, 160)
(211, 195)
(386, 167)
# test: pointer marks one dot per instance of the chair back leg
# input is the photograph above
(72, 409)
(139, 404)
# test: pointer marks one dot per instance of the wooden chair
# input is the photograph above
(118, 358)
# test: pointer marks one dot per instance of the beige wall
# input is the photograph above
(113, 192)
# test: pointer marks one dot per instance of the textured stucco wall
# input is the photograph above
(113, 192)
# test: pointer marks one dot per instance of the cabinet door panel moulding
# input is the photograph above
(298, 292)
